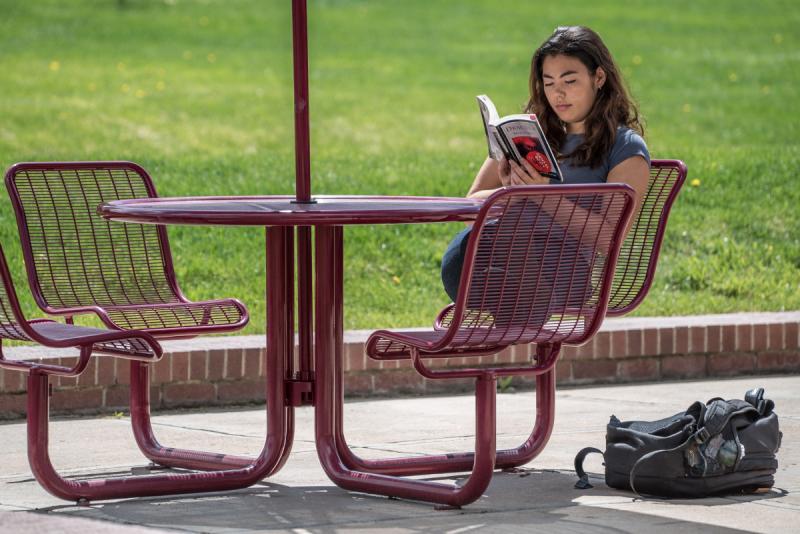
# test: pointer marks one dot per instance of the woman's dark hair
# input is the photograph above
(613, 107)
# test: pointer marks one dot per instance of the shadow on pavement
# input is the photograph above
(521, 500)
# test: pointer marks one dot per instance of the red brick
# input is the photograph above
(156, 397)
(88, 377)
(594, 369)
(107, 370)
(681, 339)
(187, 394)
(118, 397)
(13, 405)
(666, 341)
(586, 351)
(638, 369)
(691, 366)
(563, 372)
(760, 340)
(713, 339)
(68, 382)
(198, 365)
(729, 364)
(569, 352)
(161, 371)
(252, 362)
(619, 342)
(504, 356)
(241, 390)
(744, 338)
(778, 361)
(371, 364)
(234, 364)
(728, 339)
(357, 383)
(650, 345)
(77, 399)
(697, 339)
(355, 357)
(635, 339)
(398, 382)
(180, 367)
(124, 370)
(13, 381)
(792, 335)
(602, 346)
(519, 354)
(776, 340)
(216, 364)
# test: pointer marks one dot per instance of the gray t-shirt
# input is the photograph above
(627, 144)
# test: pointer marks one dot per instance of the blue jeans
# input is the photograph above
(453, 262)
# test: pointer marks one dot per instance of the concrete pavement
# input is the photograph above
(301, 499)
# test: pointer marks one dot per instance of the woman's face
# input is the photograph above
(570, 89)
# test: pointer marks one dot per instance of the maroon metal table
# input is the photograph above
(317, 379)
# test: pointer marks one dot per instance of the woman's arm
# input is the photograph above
(487, 181)
(634, 171)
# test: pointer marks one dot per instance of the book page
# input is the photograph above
(527, 142)
(489, 114)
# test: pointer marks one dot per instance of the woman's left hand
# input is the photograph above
(526, 174)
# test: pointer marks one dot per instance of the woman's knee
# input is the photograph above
(453, 263)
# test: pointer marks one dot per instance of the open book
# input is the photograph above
(518, 137)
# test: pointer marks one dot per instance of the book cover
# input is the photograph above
(518, 138)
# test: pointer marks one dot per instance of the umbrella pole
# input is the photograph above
(302, 141)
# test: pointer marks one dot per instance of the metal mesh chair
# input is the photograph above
(538, 269)
(636, 266)
(78, 262)
(638, 256)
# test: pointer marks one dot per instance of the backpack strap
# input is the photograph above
(755, 397)
(583, 478)
(719, 413)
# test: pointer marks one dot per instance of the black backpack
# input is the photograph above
(710, 449)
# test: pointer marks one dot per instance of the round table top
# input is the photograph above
(283, 211)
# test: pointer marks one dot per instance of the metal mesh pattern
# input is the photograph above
(77, 258)
(9, 329)
(71, 333)
(637, 258)
(538, 263)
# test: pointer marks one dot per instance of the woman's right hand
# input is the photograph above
(511, 174)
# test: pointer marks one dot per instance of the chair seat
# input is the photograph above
(179, 317)
(73, 335)
(385, 345)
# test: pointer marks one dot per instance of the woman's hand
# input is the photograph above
(512, 174)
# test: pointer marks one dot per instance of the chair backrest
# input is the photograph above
(10, 312)
(539, 265)
(74, 257)
(638, 256)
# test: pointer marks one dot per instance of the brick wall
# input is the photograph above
(228, 370)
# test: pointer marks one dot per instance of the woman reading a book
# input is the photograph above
(591, 123)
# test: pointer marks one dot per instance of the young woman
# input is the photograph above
(591, 123)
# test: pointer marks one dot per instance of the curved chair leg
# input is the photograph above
(280, 329)
(132, 486)
(457, 461)
(482, 467)
(184, 458)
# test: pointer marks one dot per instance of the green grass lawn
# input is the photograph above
(200, 94)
